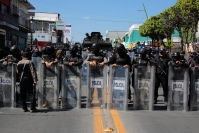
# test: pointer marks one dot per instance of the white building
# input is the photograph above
(45, 32)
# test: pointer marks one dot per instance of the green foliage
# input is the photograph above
(183, 17)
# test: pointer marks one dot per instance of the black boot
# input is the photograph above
(165, 100)
(155, 101)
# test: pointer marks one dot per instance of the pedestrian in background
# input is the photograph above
(36, 53)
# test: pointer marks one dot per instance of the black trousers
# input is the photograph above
(163, 80)
(30, 90)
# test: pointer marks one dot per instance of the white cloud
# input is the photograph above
(87, 17)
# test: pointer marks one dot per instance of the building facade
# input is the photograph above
(134, 36)
(14, 23)
(45, 32)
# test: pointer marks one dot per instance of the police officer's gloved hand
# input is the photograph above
(17, 83)
(135, 66)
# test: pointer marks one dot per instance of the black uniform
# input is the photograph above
(161, 74)
(121, 58)
(73, 57)
(95, 58)
(27, 76)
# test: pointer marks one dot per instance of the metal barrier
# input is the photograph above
(48, 90)
(71, 82)
(118, 88)
(7, 85)
(97, 86)
(194, 89)
(178, 89)
(144, 84)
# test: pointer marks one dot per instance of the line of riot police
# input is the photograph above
(143, 57)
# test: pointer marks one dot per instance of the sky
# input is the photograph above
(88, 16)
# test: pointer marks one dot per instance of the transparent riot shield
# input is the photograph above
(37, 64)
(108, 54)
(118, 88)
(178, 89)
(71, 81)
(7, 85)
(48, 90)
(68, 52)
(97, 86)
(131, 54)
(144, 84)
(84, 54)
(194, 89)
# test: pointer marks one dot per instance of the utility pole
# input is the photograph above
(145, 11)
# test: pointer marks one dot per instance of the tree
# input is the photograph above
(173, 18)
(190, 10)
(154, 28)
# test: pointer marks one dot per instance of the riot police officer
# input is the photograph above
(73, 59)
(96, 57)
(13, 56)
(177, 62)
(27, 78)
(97, 61)
(48, 56)
(161, 74)
(142, 59)
(121, 58)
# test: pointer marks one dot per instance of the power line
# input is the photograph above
(81, 10)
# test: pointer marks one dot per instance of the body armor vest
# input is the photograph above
(97, 59)
(141, 62)
(120, 60)
(72, 59)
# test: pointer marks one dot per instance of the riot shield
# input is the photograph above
(37, 64)
(178, 89)
(48, 90)
(194, 89)
(108, 54)
(144, 84)
(67, 52)
(84, 54)
(7, 85)
(71, 81)
(131, 54)
(118, 88)
(97, 86)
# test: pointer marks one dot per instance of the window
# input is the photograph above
(4, 9)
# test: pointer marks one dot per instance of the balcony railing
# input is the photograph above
(9, 19)
(15, 10)
(26, 23)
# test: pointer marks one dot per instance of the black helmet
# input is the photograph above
(162, 51)
(6, 51)
(193, 54)
(73, 49)
(50, 50)
(149, 50)
(176, 55)
(95, 47)
(26, 53)
(14, 49)
(120, 49)
(87, 34)
(43, 50)
(142, 51)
